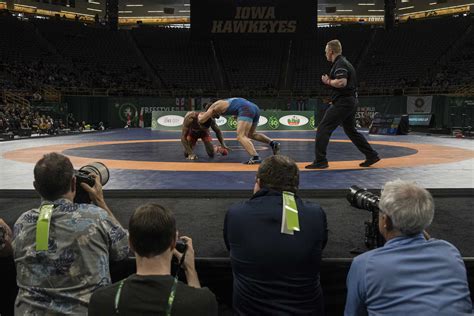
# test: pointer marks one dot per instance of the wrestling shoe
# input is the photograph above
(275, 147)
(369, 161)
(252, 161)
(318, 165)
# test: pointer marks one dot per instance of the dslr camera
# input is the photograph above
(181, 245)
(365, 200)
(84, 175)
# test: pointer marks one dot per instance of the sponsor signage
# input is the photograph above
(294, 120)
(269, 120)
(171, 120)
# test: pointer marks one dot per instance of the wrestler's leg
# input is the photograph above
(243, 129)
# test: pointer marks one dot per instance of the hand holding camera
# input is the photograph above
(95, 191)
(184, 252)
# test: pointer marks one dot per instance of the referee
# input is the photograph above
(343, 81)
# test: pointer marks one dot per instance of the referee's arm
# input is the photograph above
(339, 82)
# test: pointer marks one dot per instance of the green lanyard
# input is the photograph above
(42, 227)
(170, 298)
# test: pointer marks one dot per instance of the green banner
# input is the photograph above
(269, 120)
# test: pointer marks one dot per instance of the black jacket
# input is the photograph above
(275, 273)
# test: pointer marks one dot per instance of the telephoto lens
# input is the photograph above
(363, 199)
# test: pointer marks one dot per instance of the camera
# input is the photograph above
(84, 175)
(365, 200)
(181, 245)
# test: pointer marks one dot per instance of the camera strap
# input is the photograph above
(170, 297)
(289, 220)
(42, 227)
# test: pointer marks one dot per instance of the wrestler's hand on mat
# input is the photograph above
(192, 157)
(325, 79)
(226, 147)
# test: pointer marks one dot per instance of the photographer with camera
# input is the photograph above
(276, 272)
(5, 239)
(62, 249)
(412, 273)
(153, 290)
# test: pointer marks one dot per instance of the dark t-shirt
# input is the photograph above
(275, 273)
(148, 295)
(342, 68)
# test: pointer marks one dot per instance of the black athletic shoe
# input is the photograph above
(369, 162)
(276, 148)
(318, 165)
(252, 161)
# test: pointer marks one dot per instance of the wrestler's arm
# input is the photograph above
(218, 132)
(184, 132)
(216, 108)
(207, 115)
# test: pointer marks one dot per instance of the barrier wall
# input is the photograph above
(114, 111)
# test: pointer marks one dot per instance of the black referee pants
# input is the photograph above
(342, 111)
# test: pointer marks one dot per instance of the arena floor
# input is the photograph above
(152, 160)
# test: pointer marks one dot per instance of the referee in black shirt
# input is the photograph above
(343, 81)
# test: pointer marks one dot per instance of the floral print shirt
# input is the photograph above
(82, 239)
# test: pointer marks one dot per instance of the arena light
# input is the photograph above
(134, 5)
(187, 5)
(155, 11)
(93, 2)
(443, 8)
(77, 13)
(125, 12)
(345, 10)
(406, 8)
(366, 4)
(373, 10)
(92, 9)
(184, 11)
(26, 6)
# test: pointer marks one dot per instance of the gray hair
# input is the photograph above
(409, 206)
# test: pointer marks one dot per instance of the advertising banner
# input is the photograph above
(269, 120)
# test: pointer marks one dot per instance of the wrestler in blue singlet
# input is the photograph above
(244, 110)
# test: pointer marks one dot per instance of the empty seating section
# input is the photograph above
(19, 43)
(180, 61)
(65, 53)
(409, 51)
(252, 63)
(103, 58)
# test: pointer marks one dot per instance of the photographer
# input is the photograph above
(410, 273)
(5, 239)
(62, 249)
(153, 290)
(276, 273)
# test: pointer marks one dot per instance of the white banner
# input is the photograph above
(419, 104)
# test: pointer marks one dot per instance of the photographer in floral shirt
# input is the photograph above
(61, 264)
